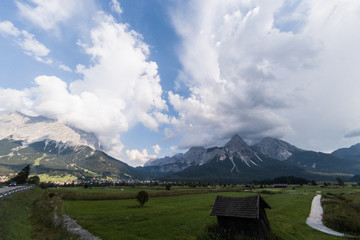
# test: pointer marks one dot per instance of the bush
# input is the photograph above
(168, 186)
(142, 197)
(34, 180)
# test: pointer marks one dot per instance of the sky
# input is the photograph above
(153, 78)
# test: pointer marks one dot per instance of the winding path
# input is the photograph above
(315, 218)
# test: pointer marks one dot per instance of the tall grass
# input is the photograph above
(43, 222)
(342, 212)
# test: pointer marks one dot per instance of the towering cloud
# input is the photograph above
(261, 68)
(119, 88)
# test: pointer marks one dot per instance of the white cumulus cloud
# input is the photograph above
(156, 149)
(138, 157)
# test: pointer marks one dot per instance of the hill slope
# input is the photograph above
(323, 162)
(55, 158)
(352, 152)
(54, 148)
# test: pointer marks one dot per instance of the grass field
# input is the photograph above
(48, 178)
(181, 213)
(185, 216)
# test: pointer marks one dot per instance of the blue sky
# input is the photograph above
(151, 78)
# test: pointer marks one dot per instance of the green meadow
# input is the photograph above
(184, 216)
(181, 213)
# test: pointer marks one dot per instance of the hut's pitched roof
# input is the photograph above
(242, 207)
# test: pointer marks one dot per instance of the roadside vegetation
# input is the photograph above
(30, 215)
(15, 211)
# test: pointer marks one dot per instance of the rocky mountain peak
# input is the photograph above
(276, 148)
(236, 144)
(17, 126)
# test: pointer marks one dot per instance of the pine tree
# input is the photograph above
(22, 176)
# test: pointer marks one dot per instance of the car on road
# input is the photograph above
(12, 184)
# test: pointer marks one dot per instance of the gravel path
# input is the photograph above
(315, 218)
(75, 228)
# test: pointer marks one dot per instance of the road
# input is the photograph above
(8, 191)
(315, 218)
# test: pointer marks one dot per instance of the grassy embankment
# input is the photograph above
(29, 215)
(15, 211)
(185, 216)
(342, 212)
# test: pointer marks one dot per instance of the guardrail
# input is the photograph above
(12, 190)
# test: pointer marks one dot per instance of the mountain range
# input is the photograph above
(54, 148)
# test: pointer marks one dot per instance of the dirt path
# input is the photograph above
(315, 218)
(75, 228)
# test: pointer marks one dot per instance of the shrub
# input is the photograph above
(168, 186)
(142, 197)
(34, 180)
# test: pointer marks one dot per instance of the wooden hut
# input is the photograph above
(242, 215)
